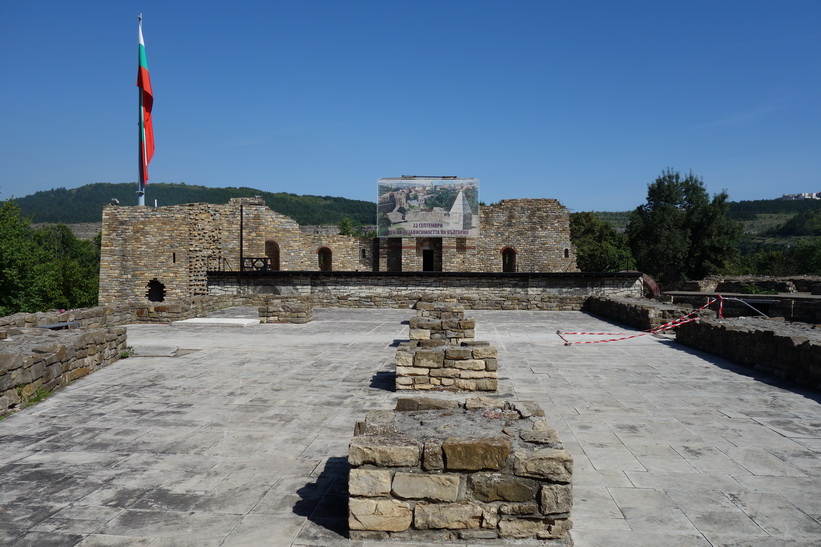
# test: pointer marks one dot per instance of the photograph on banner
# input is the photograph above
(428, 207)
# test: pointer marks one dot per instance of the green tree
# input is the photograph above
(346, 226)
(599, 247)
(806, 256)
(680, 233)
(46, 268)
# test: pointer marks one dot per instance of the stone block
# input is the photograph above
(556, 498)
(542, 528)
(528, 409)
(426, 486)
(369, 482)
(551, 464)
(432, 455)
(540, 436)
(383, 515)
(490, 487)
(375, 429)
(475, 403)
(10, 361)
(404, 359)
(412, 371)
(453, 516)
(485, 352)
(424, 403)
(519, 509)
(428, 359)
(468, 364)
(482, 384)
(458, 353)
(475, 454)
(419, 334)
(384, 451)
(475, 374)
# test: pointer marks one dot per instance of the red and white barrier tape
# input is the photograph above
(666, 326)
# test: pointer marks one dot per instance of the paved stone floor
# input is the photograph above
(220, 435)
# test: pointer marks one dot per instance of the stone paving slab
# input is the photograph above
(240, 436)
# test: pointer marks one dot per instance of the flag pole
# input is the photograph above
(145, 125)
(140, 152)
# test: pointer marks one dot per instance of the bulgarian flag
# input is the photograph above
(146, 102)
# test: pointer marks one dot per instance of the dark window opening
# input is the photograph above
(272, 252)
(325, 258)
(156, 291)
(174, 258)
(427, 260)
(567, 253)
(508, 259)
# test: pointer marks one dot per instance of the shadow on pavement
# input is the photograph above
(325, 503)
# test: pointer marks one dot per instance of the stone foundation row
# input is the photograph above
(35, 359)
(465, 368)
(442, 353)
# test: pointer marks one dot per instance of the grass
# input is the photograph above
(29, 400)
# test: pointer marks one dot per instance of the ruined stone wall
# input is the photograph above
(500, 474)
(97, 317)
(790, 352)
(140, 244)
(178, 245)
(796, 307)
(286, 310)
(642, 314)
(36, 359)
(747, 284)
(442, 352)
(475, 291)
(537, 229)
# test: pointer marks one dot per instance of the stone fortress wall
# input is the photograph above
(178, 245)
(166, 253)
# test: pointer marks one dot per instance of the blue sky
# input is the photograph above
(586, 101)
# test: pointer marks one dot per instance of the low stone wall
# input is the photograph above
(485, 291)
(198, 306)
(442, 353)
(439, 323)
(471, 366)
(33, 359)
(503, 476)
(642, 314)
(804, 308)
(787, 351)
(286, 310)
(746, 284)
(97, 317)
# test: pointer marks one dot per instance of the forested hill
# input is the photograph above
(84, 204)
(745, 211)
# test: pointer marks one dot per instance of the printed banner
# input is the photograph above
(428, 207)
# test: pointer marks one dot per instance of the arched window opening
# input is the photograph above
(272, 252)
(156, 291)
(364, 254)
(508, 259)
(567, 253)
(325, 257)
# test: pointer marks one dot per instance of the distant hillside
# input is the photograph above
(764, 221)
(84, 204)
